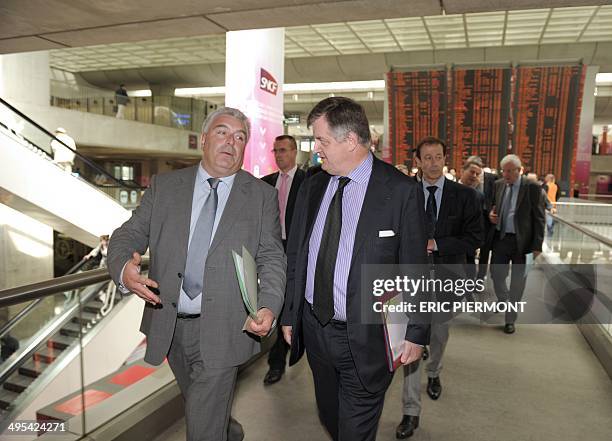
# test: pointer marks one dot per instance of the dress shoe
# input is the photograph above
(406, 428)
(434, 388)
(273, 376)
(509, 328)
(425, 355)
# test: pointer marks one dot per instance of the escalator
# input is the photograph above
(23, 370)
(63, 329)
(84, 204)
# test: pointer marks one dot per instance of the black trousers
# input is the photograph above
(277, 357)
(347, 410)
(505, 251)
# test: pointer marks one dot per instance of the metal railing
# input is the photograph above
(168, 111)
(35, 137)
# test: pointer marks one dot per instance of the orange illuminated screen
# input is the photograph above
(417, 108)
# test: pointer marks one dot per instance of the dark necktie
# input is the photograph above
(431, 212)
(200, 241)
(323, 301)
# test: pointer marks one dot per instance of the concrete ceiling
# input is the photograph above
(358, 67)
(586, 24)
(47, 24)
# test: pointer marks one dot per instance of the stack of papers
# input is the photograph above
(395, 324)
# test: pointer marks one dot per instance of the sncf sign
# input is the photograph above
(267, 82)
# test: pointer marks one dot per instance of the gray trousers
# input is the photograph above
(208, 392)
(411, 394)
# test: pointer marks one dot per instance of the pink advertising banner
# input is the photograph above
(254, 75)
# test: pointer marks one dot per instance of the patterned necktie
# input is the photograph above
(431, 211)
(200, 242)
(323, 301)
(282, 200)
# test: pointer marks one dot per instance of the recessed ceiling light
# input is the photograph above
(603, 78)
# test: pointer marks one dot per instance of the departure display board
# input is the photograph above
(480, 107)
(418, 107)
(547, 106)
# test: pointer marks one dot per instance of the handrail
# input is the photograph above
(606, 241)
(17, 358)
(21, 314)
(33, 291)
(85, 159)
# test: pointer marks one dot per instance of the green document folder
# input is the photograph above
(246, 271)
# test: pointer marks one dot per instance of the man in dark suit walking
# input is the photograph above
(519, 218)
(287, 181)
(453, 217)
(488, 190)
(357, 211)
(191, 220)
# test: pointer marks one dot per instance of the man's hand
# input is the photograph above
(412, 352)
(431, 246)
(263, 324)
(287, 333)
(493, 216)
(138, 284)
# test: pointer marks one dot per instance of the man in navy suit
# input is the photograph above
(357, 211)
(287, 181)
(453, 215)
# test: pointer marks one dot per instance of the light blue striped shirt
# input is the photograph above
(201, 190)
(352, 201)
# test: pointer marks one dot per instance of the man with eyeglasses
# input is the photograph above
(518, 218)
(287, 181)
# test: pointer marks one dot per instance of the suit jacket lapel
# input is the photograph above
(233, 209)
(314, 202)
(521, 195)
(377, 195)
(183, 202)
(499, 196)
(448, 198)
(294, 187)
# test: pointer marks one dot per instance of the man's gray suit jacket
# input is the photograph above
(161, 224)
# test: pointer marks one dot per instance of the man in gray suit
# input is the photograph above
(191, 220)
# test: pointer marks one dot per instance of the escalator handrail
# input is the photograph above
(598, 237)
(85, 159)
(23, 313)
(33, 291)
(18, 358)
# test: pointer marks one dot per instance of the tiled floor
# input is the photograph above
(542, 383)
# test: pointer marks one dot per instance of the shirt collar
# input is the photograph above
(203, 177)
(361, 174)
(439, 183)
(516, 184)
(291, 172)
